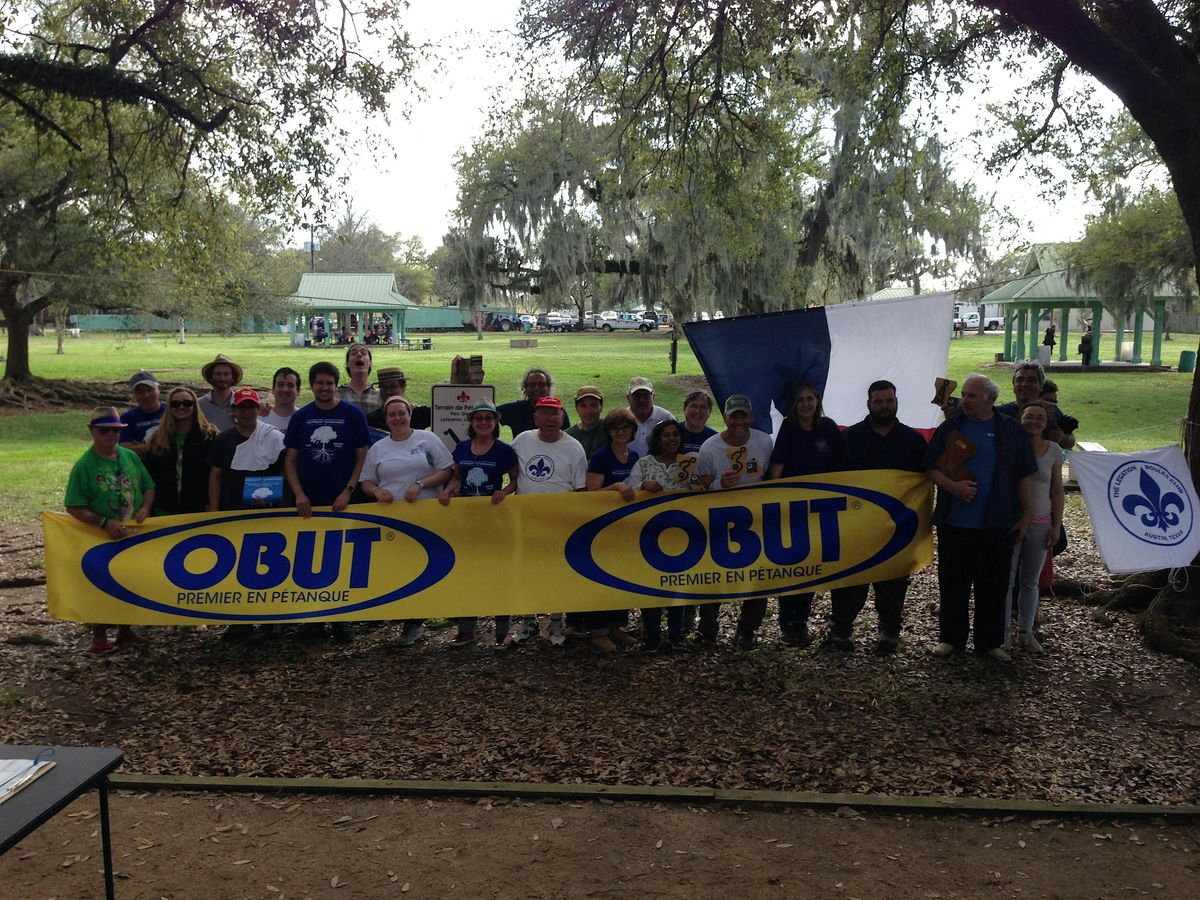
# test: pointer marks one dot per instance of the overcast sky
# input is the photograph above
(414, 193)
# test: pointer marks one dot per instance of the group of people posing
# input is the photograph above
(999, 484)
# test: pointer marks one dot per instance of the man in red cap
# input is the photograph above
(549, 461)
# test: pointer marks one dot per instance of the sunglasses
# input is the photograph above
(182, 404)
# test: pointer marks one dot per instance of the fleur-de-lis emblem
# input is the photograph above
(538, 468)
(1158, 505)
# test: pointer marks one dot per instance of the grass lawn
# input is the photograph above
(1123, 412)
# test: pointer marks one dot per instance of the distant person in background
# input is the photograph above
(1085, 347)
(393, 383)
(640, 397)
(589, 402)
(223, 375)
(359, 390)
(285, 388)
(108, 485)
(1049, 338)
(147, 411)
(177, 458)
(518, 415)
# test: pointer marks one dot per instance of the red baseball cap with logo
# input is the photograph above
(245, 395)
(551, 402)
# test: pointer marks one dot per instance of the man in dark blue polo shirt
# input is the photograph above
(984, 506)
(880, 441)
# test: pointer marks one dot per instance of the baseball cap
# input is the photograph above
(589, 390)
(142, 377)
(551, 402)
(640, 384)
(484, 406)
(738, 403)
(242, 395)
(390, 373)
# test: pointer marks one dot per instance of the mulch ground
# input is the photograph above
(1099, 718)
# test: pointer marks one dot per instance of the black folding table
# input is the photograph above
(76, 770)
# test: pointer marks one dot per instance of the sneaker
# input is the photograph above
(504, 642)
(601, 643)
(343, 632)
(678, 644)
(654, 644)
(526, 631)
(558, 634)
(621, 639)
(944, 650)
(1030, 643)
(999, 654)
(412, 632)
(838, 643)
(797, 637)
(746, 640)
(886, 646)
(126, 635)
(462, 639)
(102, 644)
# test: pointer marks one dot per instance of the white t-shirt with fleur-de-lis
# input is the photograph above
(549, 468)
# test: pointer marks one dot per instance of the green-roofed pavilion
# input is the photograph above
(1043, 289)
(337, 296)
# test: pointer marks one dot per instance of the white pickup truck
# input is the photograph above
(609, 321)
(970, 322)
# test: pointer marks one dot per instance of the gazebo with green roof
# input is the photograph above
(341, 294)
(1043, 288)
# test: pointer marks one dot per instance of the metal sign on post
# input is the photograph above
(452, 404)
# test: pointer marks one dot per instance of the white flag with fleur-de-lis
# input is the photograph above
(1143, 508)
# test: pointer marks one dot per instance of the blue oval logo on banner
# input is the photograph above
(689, 544)
(226, 568)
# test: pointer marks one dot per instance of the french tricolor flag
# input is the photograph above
(839, 350)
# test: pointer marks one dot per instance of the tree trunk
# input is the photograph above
(19, 317)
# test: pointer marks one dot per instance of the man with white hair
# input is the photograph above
(982, 464)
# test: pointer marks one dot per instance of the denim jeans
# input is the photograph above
(1028, 557)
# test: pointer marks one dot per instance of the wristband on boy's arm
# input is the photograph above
(103, 522)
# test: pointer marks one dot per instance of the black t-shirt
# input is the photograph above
(233, 481)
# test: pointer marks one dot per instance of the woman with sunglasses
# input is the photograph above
(481, 463)
(177, 456)
(108, 485)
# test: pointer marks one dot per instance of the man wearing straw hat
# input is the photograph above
(223, 375)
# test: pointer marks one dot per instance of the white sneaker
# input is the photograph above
(524, 632)
(999, 654)
(943, 650)
(558, 635)
(1030, 644)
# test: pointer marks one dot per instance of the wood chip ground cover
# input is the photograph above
(1100, 718)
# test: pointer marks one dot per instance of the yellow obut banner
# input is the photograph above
(537, 553)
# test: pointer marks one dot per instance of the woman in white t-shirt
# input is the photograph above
(1030, 555)
(407, 464)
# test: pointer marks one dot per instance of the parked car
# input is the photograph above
(529, 320)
